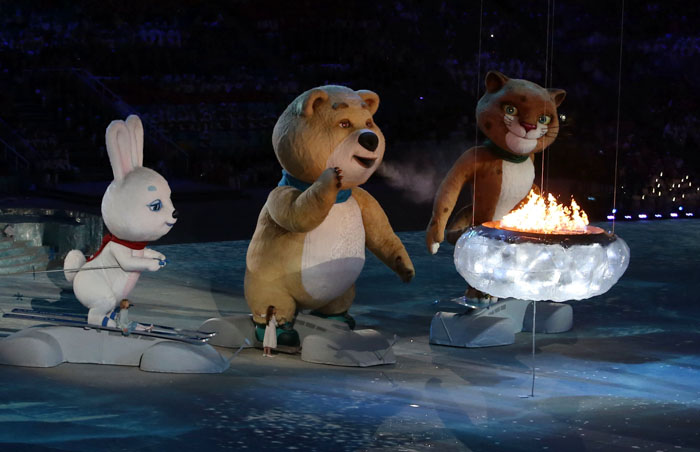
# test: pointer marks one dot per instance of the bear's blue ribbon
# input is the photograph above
(288, 179)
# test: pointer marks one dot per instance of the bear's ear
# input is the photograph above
(310, 101)
(495, 81)
(557, 95)
(370, 98)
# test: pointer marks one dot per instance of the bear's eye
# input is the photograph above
(510, 109)
(369, 124)
(544, 119)
(345, 124)
(156, 205)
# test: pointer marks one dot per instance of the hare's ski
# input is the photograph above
(74, 315)
(76, 321)
(50, 312)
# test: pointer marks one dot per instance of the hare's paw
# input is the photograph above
(155, 265)
(153, 254)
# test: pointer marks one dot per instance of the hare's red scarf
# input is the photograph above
(111, 238)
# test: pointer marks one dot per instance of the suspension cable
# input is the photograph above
(617, 126)
(476, 121)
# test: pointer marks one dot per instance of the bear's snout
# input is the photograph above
(368, 140)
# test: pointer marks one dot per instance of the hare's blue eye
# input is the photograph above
(156, 205)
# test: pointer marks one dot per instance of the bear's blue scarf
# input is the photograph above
(288, 179)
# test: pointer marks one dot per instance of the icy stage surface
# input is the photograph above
(626, 377)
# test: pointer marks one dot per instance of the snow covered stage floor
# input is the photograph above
(626, 377)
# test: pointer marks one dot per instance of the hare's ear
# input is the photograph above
(119, 144)
(135, 126)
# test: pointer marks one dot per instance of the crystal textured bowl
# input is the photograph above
(557, 267)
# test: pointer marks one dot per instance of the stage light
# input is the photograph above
(680, 207)
(674, 215)
(658, 215)
(611, 217)
(614, 211)
(689, 214)
(628, 217)
(642, 215)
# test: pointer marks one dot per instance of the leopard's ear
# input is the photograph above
(495, 81)
(557, 95)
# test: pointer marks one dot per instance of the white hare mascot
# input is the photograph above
(136, 208)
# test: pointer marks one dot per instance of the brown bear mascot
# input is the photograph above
(309, 244)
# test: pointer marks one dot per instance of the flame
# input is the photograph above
(546, 216)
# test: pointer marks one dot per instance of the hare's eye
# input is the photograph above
(156, 205)
(345, 124)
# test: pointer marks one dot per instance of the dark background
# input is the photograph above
(210, 79)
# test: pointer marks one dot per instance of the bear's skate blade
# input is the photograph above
(327, 341)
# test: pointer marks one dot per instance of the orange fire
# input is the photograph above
(547, 216)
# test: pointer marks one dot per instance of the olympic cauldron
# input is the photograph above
(540, 252)
(528, 257)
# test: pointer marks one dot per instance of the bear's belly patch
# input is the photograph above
(516, 183)
(334, 252)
